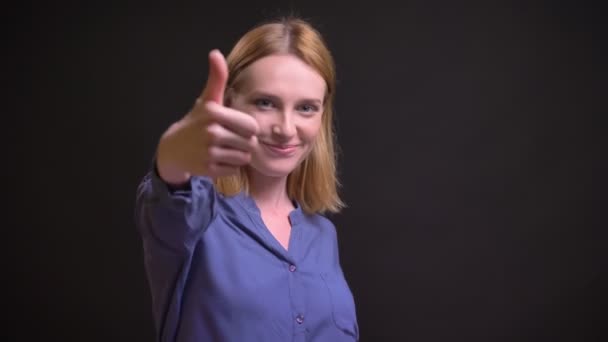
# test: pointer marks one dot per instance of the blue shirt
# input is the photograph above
(216, 273)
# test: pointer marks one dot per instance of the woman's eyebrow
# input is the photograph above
(276, 98)
(265, 94)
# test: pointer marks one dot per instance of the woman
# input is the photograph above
(235, 244)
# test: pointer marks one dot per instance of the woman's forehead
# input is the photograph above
(282, 73)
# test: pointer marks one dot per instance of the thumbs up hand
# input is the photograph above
(211, 140)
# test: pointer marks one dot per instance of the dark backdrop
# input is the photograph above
(470, 159)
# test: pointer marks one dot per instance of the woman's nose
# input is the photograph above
(284, 126)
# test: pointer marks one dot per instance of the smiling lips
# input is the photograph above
(281, 150)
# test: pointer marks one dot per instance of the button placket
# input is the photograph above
(297, 292)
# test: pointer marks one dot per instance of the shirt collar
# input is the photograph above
(295, 216)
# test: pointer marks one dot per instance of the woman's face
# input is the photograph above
(285, 96)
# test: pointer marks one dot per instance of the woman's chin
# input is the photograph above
(277, 169)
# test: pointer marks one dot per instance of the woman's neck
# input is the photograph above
(269, 193)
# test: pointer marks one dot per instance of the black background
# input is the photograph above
(470, 159)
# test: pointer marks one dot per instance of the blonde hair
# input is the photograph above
(314, 183)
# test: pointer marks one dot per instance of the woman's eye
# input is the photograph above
(307, 108)
(263, 103)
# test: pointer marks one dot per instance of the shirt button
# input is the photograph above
(300, 319)
(292, 268)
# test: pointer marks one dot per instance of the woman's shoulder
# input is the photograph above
(321, 222)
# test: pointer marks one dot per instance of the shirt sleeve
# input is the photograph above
(170, 222)
(174, 219)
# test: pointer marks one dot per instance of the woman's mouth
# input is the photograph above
(281, 150)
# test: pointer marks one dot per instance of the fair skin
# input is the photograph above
(268, 125)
